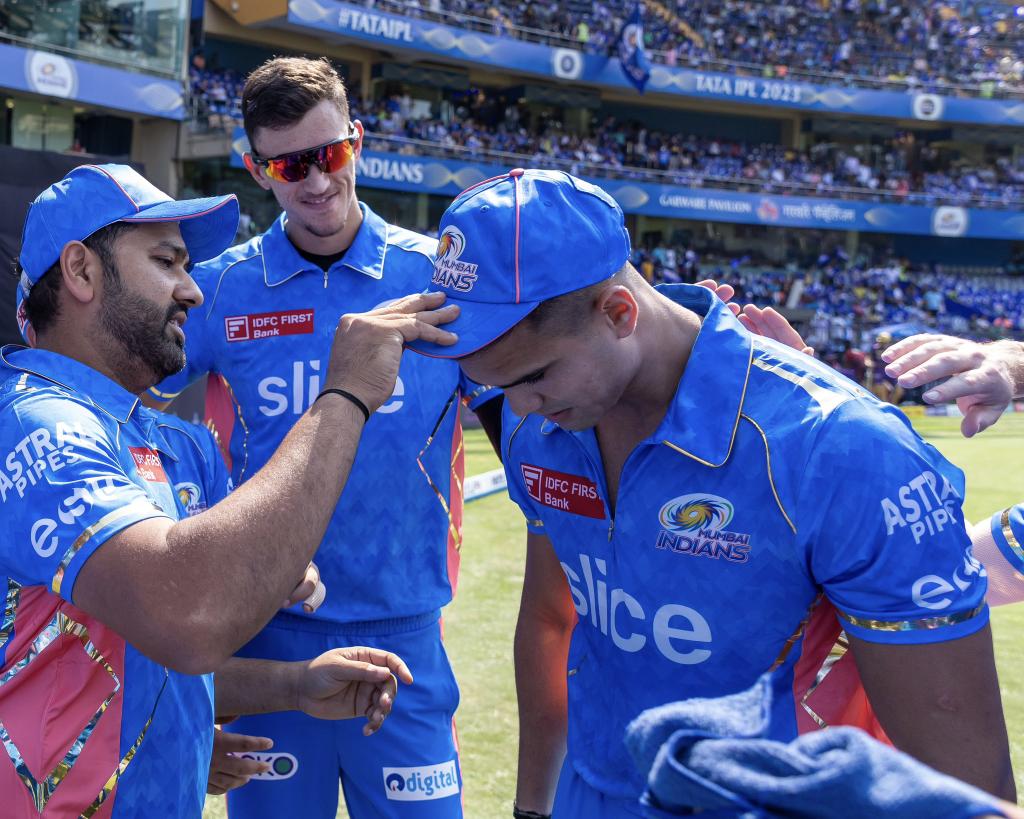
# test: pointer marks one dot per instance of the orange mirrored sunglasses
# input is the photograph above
(294, 167)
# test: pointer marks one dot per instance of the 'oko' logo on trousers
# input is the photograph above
(421, 783)
(282, 766)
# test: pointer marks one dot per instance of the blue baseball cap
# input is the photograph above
(91, 197)
(513, 241)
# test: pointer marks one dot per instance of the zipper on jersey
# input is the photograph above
(325, 280)
(599, 472)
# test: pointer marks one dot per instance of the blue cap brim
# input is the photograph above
(479, 324)
(208, 225)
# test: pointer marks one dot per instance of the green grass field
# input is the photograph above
(479, 624)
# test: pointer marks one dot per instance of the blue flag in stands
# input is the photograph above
(630, 48)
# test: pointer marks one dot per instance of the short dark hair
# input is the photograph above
(284, 89)
(42, 307)
(563, 314)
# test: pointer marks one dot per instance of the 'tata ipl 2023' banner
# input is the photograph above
(390, 30)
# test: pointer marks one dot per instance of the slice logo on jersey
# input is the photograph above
(282, 765)
(679, 632)
(268, 325)
(695, 525)
(449, 270)
(148, 464)
(191, 498)
(295, 392)
(421, 783)
(574, 494)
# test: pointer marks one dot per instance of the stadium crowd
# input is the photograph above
(849, 303)
(479, 126)
(970, 47)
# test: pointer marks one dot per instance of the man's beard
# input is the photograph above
(139, 327)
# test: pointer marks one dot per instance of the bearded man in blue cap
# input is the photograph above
(703, 506)
(118, 604)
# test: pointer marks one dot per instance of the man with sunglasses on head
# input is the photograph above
(263, 336)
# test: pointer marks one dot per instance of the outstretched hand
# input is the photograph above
(982, 378)
(229, 769)
(368, 346)
(352, 682)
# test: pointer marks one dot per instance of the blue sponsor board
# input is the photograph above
(53, 75)
(391, 30)
(447, 177)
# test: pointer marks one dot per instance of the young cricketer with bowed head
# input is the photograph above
(702, 506)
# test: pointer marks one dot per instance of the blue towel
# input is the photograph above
(710, 755)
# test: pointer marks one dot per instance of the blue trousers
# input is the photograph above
(409, 768)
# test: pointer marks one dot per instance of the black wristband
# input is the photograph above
(519, 813)
(344, 394)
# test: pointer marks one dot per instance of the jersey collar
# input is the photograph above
(281, 261)
(701, 420)
(74, 376)
(150, 421)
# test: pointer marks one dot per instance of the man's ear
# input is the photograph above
(81, 271)
(619, 307)
(358, 147)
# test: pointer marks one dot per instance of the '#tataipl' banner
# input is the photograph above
(355, 22)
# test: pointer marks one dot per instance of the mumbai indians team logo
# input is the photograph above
(449, 270)
(695, 525)
(190, 497)
(692, 512)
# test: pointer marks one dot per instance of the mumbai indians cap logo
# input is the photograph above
(450, 244)
(190, 497)
(449, 270)
(691, 513)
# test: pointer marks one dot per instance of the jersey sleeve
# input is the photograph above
(1007, 530)
(473, 394)
(514, 476)
(881, 524)
(65, 491)
(998, 542)
(198, 354)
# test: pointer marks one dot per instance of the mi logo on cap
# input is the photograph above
(449, 271)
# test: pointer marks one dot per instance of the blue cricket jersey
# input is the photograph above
(266, 329)
(773, 491)
(90, 725)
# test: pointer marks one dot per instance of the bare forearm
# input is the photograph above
(244, 686)
(190, 593)
(246, 553)
(940, 703)
(540, 658)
